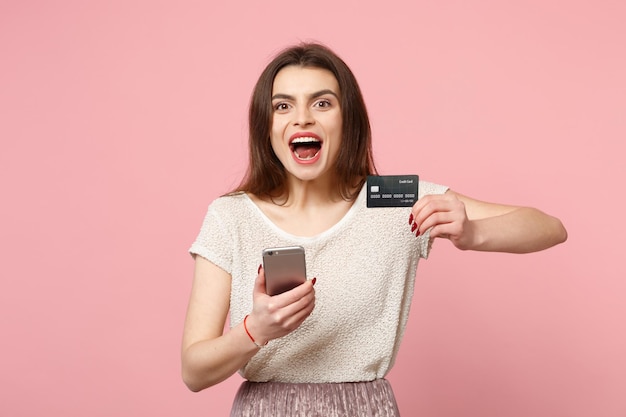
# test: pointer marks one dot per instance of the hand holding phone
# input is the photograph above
(285, 268)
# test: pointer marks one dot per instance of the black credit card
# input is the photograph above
(392, 190)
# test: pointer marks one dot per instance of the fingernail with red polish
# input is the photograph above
(413, 227)
(411, 218)
(258, 271)
(417, 234)
(313, 280)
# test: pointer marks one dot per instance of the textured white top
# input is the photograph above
(365, 267)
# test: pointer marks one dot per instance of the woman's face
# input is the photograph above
(306, 121)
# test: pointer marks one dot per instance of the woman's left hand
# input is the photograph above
(446, 216)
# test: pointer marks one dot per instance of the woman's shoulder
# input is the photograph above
(229, 203)
(427, 188)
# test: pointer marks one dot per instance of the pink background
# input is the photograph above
(121, 120)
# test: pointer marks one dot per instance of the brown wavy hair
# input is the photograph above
(265, 175)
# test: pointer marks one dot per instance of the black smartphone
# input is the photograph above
(285, 268)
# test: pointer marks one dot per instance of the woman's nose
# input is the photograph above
(303, 117)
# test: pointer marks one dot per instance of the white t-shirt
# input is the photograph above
(365, 267)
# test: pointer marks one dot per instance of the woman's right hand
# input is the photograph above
(276, 316)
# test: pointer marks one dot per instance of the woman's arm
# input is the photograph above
(477, 225)
(209, 355)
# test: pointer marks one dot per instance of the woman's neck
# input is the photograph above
(307, 194)
(308, 209)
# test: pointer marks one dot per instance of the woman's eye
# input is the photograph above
(281, 106)
(323, 103)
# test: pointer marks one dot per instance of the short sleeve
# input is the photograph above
(428, 188)
(214, 242)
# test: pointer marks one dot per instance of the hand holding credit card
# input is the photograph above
(392, 190)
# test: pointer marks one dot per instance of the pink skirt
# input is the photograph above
(279, 399)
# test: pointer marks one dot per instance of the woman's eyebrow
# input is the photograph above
(282, 96)
(324, 92)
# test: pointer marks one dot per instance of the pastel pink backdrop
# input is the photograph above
(121, 120)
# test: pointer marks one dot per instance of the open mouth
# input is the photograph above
(305, 148)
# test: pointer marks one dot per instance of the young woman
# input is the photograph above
(324, 347)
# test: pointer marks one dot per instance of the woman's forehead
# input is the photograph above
(294, 80)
